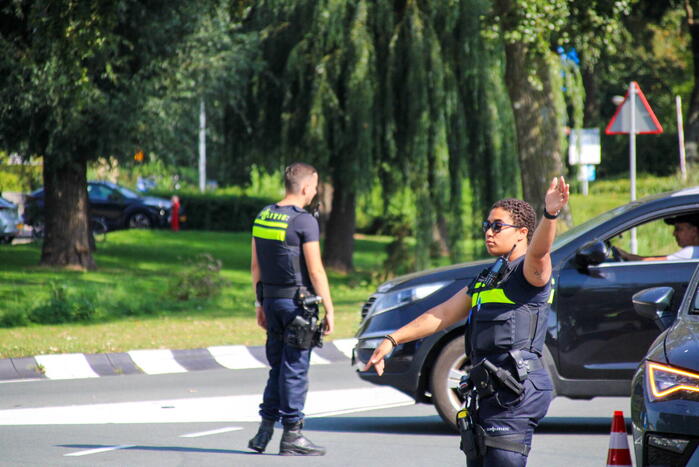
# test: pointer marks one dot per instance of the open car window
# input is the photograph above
(654, 238)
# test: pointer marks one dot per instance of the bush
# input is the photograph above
(15, 317)
(206, 211)
(64, 306)
(201, 278)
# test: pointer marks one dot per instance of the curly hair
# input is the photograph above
(522, 213)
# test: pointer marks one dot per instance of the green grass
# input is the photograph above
(134, 307)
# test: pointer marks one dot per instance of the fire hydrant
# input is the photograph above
(175, 214)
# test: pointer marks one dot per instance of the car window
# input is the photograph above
(654, 238)
(694, 310)
(127, 193)
(588, 225)
(98, 192)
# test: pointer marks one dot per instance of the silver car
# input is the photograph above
(10, 222)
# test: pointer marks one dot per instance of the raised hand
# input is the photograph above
(557, 195)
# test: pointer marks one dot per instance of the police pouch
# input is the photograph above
(472, 436)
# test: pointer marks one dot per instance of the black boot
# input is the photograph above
(295, 444)
(264, 434)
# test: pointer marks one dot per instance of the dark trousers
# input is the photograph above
(287, 384)
(515, 421)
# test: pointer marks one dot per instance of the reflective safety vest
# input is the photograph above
(510, 316)
(280, 263)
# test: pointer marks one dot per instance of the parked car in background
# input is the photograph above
(10, 221)
(665, 388)
(594, 339)
(113, 205)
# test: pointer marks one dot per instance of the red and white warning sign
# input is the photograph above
(645, 121)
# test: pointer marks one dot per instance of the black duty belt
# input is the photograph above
(283, 291)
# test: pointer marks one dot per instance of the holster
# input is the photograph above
(487, 378)
(301, 332)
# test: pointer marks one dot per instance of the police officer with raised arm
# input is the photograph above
(508, 390)
(289, 282)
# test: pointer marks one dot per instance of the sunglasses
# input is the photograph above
(497, 226)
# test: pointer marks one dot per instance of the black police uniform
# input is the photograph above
(512, 316)
(279, 233)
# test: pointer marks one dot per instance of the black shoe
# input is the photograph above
(264, 434)
(295, 444)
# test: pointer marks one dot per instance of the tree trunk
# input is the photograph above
(66, 235)
(692, 130)
(339, 237)
(592, 97)
(537, 123)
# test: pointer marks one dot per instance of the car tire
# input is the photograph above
(6, 240)
(139, 220)
(450, 366)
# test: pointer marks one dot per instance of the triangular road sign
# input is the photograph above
(646, 122)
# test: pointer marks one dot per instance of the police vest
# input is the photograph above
(510, 316)
(280, 262)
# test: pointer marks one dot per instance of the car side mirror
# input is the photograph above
(654, 304)
(591, 254)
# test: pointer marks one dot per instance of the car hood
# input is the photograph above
(454, 271)
(682, 344)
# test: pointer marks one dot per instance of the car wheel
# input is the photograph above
(139, 220)
(450, 366)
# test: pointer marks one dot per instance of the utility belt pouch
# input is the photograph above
(472, 436)
(520, 365)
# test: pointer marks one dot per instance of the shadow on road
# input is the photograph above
(158, 448)
(433, 425)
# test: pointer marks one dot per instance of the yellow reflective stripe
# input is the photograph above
(553, 289)
(268, 234)
(282, 225)
(490, 296)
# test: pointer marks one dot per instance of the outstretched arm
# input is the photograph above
(537, 262)
(433, 320)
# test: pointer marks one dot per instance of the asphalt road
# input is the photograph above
(206, 417)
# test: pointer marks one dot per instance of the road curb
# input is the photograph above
(157, 361)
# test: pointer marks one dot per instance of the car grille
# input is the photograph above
(367, 306)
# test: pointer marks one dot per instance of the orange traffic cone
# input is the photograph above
(619, 453)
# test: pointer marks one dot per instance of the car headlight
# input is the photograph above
(665, 382)
(401, 297)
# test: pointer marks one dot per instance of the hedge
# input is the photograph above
(206, 211)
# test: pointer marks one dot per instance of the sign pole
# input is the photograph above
(632, 158)
(680, 135)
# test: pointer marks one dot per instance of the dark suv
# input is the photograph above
(114, 206)
(594, 339)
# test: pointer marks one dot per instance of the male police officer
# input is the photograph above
(506, 309)
(286, 269)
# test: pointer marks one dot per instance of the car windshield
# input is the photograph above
(126, 192)
(569, 235)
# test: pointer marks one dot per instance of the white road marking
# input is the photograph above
(156, 362)
(212, 432)
(235, 357)
(65, 366)
(98, 450)
(228, 409)
(345, 346)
